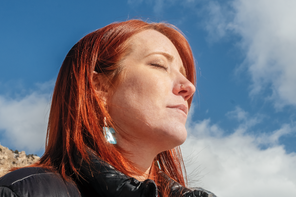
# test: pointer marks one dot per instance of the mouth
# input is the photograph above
(181, 107)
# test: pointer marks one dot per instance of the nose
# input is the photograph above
(184, 88)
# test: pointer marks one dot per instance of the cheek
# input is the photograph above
(145, 89)
(140, 95)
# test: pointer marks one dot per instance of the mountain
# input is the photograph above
(10, 159)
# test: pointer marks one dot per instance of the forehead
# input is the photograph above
(150, 42)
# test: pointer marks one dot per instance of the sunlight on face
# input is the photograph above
(150, 102)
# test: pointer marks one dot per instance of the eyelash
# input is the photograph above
(159, 66)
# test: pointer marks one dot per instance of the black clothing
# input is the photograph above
(31, 182)
(105, 181)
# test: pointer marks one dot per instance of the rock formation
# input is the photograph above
(10, 159)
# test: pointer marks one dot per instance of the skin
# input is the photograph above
(150, 103)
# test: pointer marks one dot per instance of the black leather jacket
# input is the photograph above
(34, 181)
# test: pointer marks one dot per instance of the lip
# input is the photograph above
(181, 107)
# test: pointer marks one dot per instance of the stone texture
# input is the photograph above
(10, 159)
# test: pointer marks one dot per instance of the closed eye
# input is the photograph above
(159, 66)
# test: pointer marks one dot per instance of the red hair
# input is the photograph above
(76, 115)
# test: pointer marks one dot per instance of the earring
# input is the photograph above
(108, 133)
(158, 164)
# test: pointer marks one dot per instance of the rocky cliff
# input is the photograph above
(10, 159)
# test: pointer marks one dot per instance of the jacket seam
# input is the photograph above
(29, 176)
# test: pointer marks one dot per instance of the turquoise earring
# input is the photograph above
(109, 133)
(158, 164)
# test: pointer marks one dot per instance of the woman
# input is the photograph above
(117, 117)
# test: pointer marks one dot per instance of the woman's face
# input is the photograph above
(150, 102)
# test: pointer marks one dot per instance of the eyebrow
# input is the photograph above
(170, 58)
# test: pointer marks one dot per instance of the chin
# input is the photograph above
(181, 140)
(175, 139)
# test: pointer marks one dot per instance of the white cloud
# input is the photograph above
(236, 165)
(244, 118)
(238, 114)
(217, 23)
(23, 122)
(273, 138)
(268, 29)
(268, 32)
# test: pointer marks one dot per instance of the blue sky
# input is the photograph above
(241, 129)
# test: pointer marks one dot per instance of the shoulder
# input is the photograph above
(36, 181)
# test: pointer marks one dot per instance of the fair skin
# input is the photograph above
(150, 103)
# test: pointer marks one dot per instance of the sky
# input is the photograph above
(241, 127)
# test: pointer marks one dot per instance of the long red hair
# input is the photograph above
(77, 112)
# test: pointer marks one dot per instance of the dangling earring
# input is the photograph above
(157, 162)
(108, 133)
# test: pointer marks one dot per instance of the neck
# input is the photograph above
(141, 156)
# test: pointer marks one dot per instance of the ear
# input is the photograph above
(99, 82)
